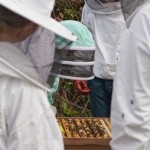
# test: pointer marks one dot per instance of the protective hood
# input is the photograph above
(15, 64)
(103, 7)
(130, 8)
(74, 60)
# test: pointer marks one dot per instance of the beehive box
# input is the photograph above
(85, 133)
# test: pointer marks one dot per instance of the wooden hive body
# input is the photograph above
(85, 133)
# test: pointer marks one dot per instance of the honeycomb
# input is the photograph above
(85, 127)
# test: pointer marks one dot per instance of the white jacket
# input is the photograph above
(107, 30)
(130, 115)
(26, 120)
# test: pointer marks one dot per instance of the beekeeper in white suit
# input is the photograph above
(26, 119)
(130, 115)
(105, 21)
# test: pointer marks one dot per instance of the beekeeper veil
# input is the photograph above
(130, 7)
(74, 60)
(104, 6)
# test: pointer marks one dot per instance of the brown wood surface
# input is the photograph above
(107, 121)
(86, 133)
(87, 147)
(66, 128)
(106, 128)
(86, 141)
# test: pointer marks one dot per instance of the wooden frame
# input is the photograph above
(72, 128)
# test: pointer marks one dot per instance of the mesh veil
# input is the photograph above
(103, 6)
(130, 6)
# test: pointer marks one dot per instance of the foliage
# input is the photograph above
(68, 10)
(70, 102)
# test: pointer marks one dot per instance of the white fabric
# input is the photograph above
(130, 115)
(107, 30)
(39, 12)
(26, 119)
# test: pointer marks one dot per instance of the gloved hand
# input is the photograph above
(81, 86)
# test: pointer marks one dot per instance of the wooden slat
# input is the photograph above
(93, 128)
(61, 128)
(73, 128)
(107, 121)
(100, 128)
(86, 128)
(81, 129)
(106, 128)
(66, 127)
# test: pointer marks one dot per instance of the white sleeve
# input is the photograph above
(30, 122)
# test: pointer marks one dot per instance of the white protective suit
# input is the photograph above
(130, 115)
(107, 29)
(26, 119)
